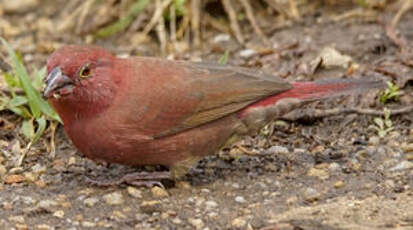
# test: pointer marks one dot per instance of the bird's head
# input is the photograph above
(81, 81)
(79, 73)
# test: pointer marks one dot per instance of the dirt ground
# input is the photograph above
(327, 173)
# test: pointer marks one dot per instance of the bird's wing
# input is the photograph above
(192, 94)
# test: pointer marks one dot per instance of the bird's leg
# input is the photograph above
(146, 179)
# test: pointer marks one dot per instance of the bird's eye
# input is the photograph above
(85, 71)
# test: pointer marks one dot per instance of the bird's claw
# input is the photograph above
(138, 179)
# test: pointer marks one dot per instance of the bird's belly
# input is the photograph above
(102, 145)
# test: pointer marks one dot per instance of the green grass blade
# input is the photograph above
(41, 126)
(23, 76)
(18, 101)
(36, 102)
(124, 22)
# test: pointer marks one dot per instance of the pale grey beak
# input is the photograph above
(55, 81)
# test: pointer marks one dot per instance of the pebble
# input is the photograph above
(320, 173)
(47, 204)
(407, 147)
(374, 140)
(91, 201)
(31, 177)
(402, 166)
(88, 224)
(39, 169)
(311, 195)
(197, 223)
(176, 220)
(19, 6)
(17, 219)
(59, 214)
(332, 58)
(22, 227)
(239, 222)
(150, 207)
(3, 170)
(43, 227)
(134, 192)
(334, 167)
(240, 199)
(13, 178)
(277, 150)
(159, 192)
(339, 184)
(247, 53)
(221, 38)
(210, 204)
(115, 198)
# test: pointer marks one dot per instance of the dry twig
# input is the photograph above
(195, 21)
(229, 9)
(407, 5)
(156, 16)
(251, 18)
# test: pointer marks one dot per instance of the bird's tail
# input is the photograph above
(323, 89)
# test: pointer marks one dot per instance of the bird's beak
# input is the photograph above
(57, 84)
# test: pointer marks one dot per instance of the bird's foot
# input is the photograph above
(138, 179)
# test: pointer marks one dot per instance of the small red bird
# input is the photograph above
(147, 111)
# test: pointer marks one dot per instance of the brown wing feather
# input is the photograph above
(222, 90)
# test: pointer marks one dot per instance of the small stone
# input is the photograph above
(318, 149)
(134, 192)
(239, 222)
(322, 174)
(59, 214)
(72, 161)
(240, 199)
(114, 198)
(88, 224)
(291, 200)
(17, 219)
(197, 223)
(13, 178)
(176, 220)
(404, 165)
(22, 227)
(374, 140)
(246, 53)
(409, 157)
(159, 192)
(19, 6)
(277, 150)
(91, 201)
(311, 195)
(43, 227)
(39, 169)
(118, 215)
(407, 147)
(47, 204)
(332, 58)
(183, 185)
(28, 200)
(31, 177)
(221, 38)
(40, 183)
(339, 184)
(3, 170)
(334, 167)
(210, 204)
(150, 207)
